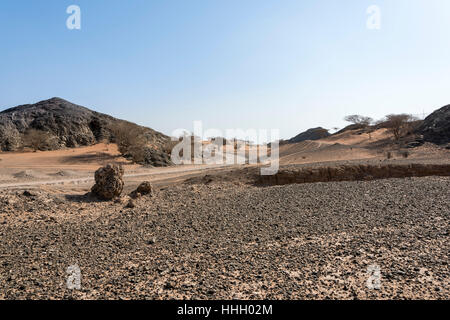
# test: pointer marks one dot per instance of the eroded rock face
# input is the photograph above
(436, 127)
(362, 172)
(108, 182)
(72, 125)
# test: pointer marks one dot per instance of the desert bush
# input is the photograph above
(137, 152)
(398, 124)
(130, 140)
(10, 139)
(39, 140)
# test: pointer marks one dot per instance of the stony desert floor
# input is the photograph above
(212, 233)
(231, 240)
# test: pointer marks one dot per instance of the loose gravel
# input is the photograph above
(226, 240)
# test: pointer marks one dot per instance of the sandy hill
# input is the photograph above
(354, 145)
(347, 145)
(71, 124)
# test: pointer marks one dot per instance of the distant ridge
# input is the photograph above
(310, 134)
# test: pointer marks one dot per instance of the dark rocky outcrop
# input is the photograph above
(72, 125)
(436, 127)
(108, 182)
(311, 134)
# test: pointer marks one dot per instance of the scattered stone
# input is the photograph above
(131, 204)
(27, 193)
(414, 144)
(144, 188)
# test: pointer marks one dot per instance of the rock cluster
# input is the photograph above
(108, 182)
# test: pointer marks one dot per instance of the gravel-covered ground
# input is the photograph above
(231, 240)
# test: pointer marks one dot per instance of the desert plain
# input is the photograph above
(223, 232)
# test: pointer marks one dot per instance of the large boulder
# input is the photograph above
(436, 127)
(108, 182)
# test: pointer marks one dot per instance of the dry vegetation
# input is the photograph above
(130, 140)
(38, 140)
(399, 124)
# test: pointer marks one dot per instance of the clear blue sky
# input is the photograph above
(286, 64)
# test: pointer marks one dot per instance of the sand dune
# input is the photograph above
(345, 146)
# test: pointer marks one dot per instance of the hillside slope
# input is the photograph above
(72, 125)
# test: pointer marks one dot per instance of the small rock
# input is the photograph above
(27, 193)
(131, 204)
(144, 188)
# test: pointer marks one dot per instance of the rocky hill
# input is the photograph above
(436, 127)
(310, 134)
(69, 124)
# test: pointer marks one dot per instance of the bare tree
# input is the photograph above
(397, 124)
(37, 139)
(362, 121)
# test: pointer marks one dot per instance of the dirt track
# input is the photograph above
(156, 175)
